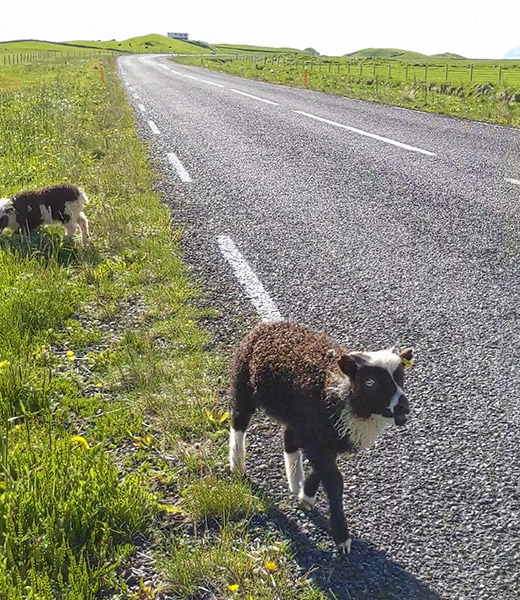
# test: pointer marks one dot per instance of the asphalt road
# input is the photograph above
(377, 244)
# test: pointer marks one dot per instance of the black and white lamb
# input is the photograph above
(328, 399)
(63, 204)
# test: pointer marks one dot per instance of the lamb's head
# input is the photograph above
(377, 383)
(7, 214)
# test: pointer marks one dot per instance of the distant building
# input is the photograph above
(178, 36)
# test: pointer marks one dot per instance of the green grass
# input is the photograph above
(79, 366)
(483, 90)
(231, 566)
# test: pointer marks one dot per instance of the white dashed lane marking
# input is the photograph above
(154, 128)
(514, 181)
(254, 97)
(181, 171)
(253, 287)
(366, 133)
(142, 108)
(213, 83)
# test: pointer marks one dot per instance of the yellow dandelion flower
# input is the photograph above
(71, 355)
(233, 587)
(4, 364)
(271, 566)
(79, 440)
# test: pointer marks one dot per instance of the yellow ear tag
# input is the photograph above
(407, 363)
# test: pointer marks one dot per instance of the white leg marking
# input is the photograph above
(294, 470)
(345, 546)
(307, 501)
(83, 226)
(70, 229)
(237, 451)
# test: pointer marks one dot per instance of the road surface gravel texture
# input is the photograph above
(377, 244)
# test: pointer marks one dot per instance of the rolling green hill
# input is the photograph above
(397, 53)
(231, 48)
(385, 53)
(146, 43)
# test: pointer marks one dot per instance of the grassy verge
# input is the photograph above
(110, 425)
(90, 341)
(487, 93)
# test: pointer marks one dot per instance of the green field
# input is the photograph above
(485, 90)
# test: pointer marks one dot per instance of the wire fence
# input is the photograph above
(497, 74)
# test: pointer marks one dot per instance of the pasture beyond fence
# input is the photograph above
(456, 72)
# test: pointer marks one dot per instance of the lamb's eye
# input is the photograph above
(369, 382)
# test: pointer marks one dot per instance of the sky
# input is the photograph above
(330, 26)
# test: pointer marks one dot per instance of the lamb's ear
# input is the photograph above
(350, 363)
(406, 357)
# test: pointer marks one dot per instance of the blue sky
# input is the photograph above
(332, 27)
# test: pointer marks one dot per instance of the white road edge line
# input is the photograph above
(366, 133)
(181, 171)
(142, 108)
(213, 83)
(261, 300)
(190, 76)
(154, 128)
(255, 97)
(515, 181)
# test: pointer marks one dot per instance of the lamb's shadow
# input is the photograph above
(46, 244)
(365, 574)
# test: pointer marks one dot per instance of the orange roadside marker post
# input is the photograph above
(306, 77)
(102, 73)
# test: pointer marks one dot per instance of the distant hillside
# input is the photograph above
(146, 43)
(514, 53)
(399, 54)
(263, 49)
(385, 53)
(448, 55)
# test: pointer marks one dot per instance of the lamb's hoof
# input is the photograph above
(344, 547)
(307, 502)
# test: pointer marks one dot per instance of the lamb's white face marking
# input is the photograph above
(237, 451)
(386, 359)
(294, 470)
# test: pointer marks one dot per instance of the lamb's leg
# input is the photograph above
(241, 416)
(308, 491)
(324, 464)
(70, 229)
(293, 461)
(83, 226)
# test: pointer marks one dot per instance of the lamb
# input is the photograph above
(328, 399)
(63, 204)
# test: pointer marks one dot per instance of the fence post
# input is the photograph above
(425, 72)
(406, 75)
(446, 72)
(389, 71)
(470, 73)
(361, 70)
(499, 74)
